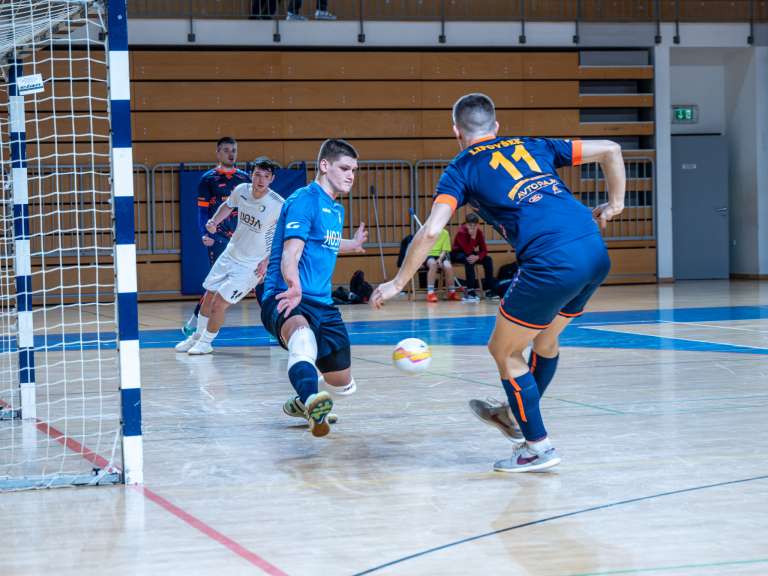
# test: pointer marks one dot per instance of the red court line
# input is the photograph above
(181, 514)
(212, 533)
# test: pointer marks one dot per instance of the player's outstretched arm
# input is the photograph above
(221, 214)
(420, 246)
(289, 267)
(356, 243)
(608, 154)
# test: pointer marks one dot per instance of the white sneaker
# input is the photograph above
(200, 348)
(324, 15)
(185, 345)
(525, 459)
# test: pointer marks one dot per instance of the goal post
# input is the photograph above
(70, 378)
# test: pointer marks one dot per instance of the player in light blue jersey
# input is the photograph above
(297, 307)
(514, 185)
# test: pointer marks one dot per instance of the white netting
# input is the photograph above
(71, 243)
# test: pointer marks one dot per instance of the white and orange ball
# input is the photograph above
(412, 355)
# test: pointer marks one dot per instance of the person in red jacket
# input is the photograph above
(469, 249)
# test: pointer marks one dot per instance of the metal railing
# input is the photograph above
(381, 197)
(464, 10)
(384, 193)
(165, 204)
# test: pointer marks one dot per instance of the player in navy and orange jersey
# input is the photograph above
(513, 184)
(213, 190)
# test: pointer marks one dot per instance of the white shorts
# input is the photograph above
(231, 279)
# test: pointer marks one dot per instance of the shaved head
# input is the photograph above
(474, 114)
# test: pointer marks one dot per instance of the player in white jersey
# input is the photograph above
(243, 263)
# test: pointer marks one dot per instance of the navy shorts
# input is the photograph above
(560, 281)
(333, 352)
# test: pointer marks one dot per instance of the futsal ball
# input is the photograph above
(412, 355)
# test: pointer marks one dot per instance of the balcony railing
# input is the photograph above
(464, 10)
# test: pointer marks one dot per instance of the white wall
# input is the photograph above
(701, 84)
(662, 97)
(761, 132)
(741, 136)
(730, 86)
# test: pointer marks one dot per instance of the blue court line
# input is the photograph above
(557, 517)
(588, 331)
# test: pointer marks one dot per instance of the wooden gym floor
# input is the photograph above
(658, 411)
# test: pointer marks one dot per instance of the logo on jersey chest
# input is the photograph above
(250, 220)
(332, 240)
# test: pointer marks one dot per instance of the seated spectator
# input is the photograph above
(439, 258)
(469, 249)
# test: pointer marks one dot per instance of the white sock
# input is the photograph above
(202, 325)
(430, 288)
(540, 446)
(208, 336)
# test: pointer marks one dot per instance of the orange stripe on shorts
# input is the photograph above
(522, 322)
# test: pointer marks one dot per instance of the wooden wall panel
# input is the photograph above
(197, 65)
(356, 95)
(313, 124)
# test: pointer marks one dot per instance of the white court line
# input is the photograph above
(714, 326)
(680, 339)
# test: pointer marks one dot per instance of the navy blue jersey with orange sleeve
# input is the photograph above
(513, 184)
(214, 188)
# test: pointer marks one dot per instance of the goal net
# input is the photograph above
(60, 257)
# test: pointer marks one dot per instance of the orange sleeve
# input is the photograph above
(447, 199)
(576, 152)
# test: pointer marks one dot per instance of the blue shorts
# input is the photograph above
(560, 281)
(333, 348)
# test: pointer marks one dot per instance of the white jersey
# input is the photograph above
(256, 220)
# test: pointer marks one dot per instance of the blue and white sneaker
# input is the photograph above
(295, 407)
(189, 326)
(525, 459)
(318, 409)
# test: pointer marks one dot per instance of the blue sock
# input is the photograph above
(523, 395)
(303, 377)
(543, 369)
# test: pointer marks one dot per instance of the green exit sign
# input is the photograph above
(685, 114)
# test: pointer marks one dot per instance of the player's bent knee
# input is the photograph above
(302, 347)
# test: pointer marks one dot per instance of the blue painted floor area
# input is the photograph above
(592, 330)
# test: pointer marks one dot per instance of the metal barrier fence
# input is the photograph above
(466, 10)
(165, 204)
(383, 195)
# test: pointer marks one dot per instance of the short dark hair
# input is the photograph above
(471, 218)
(266, 163)
(225, 140)
(474, 113)
(334, 148)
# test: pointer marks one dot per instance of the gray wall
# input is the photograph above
(730, 86)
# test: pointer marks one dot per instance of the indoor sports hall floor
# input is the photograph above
(658, 411)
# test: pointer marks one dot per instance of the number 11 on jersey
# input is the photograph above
(520, 153)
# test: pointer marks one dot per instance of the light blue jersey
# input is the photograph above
(311, 215)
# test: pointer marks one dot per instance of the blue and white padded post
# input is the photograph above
(23, 260)
(125, 247)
